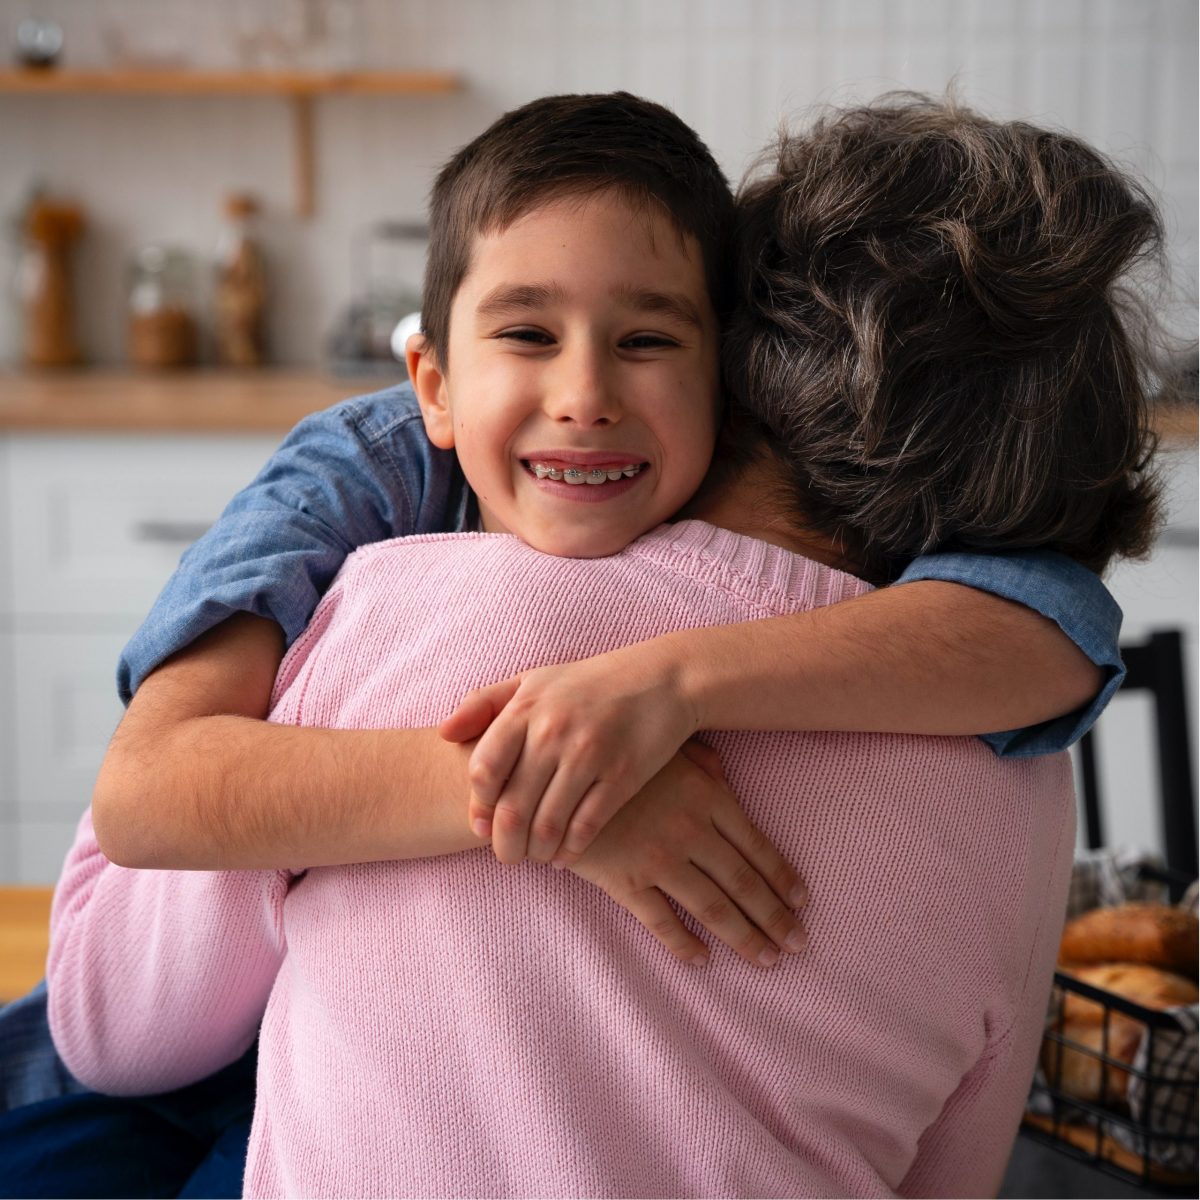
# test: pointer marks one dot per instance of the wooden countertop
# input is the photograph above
(1177, 425)
(24, 934)
(203, 401)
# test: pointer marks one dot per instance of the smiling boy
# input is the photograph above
(195, 778)
(584, 349)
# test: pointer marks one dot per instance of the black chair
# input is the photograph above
(1156, 665)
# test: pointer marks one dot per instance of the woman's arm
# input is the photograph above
(158, 978)
(568, 745)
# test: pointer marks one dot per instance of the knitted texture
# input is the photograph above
(456, 1027)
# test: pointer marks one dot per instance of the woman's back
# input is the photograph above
(458, 1026)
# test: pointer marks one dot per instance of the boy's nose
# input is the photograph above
(582, 392)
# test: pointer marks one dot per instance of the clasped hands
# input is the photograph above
(593, 765)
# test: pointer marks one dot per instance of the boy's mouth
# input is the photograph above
(582, 473)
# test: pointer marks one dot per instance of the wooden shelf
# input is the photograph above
(299, 88)
(183, 82)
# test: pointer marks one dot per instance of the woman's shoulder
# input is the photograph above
(767, 575)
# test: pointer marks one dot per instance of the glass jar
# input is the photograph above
(162, 308)
(241, 291)
(44, 283)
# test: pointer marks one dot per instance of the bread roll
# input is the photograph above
(1145, 933)
(1083, 1073)
(1145, 985)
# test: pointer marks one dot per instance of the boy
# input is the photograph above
(365, 471)
(895, 1056)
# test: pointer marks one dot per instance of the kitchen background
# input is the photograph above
(108, 470)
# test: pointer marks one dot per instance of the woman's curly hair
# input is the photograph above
(932, 331)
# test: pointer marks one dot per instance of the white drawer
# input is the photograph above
(97, 523)
(38, 851)
(8, 752)
(65, 712)
(6, 523)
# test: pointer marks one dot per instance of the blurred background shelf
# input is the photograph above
(182, 82)
(299, 88)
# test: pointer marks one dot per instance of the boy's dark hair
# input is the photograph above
(573, 146)
(930, 331)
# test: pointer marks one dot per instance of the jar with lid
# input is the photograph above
(241, 289)
(44, 283)
(162, 308)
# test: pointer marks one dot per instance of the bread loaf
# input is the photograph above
(1134, 933)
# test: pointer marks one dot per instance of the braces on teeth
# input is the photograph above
(579, 475)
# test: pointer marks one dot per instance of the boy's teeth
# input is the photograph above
(578, 475)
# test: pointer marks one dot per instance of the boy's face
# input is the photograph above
(582, 390)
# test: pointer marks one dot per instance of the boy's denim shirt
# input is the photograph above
(364, 471)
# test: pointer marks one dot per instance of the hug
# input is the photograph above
(669, 538)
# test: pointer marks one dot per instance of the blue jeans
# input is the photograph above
(57, 1139)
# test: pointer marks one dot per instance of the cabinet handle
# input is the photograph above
(172, 532)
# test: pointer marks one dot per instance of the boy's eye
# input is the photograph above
(529, 337)
(648, 341)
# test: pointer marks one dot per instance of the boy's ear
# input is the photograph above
(429, 382)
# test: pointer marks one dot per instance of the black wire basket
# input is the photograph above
(1116, 1086)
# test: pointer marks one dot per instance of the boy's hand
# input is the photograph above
(562, 748)
(685, 836)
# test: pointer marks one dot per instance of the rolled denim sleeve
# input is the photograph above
(1073, 597)
(356, 473)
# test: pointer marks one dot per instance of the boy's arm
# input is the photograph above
(1076, 601)
(196, 778)
(571, 743)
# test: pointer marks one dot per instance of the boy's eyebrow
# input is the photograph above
(669, 304)
(509, 298)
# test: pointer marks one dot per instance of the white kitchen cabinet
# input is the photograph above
(67, 711)
(91, 526)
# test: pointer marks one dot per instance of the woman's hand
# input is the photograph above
(562, 748)
(685, 836)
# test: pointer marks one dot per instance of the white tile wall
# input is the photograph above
(1121, 72)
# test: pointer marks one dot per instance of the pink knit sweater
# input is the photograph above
(455, 1027)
